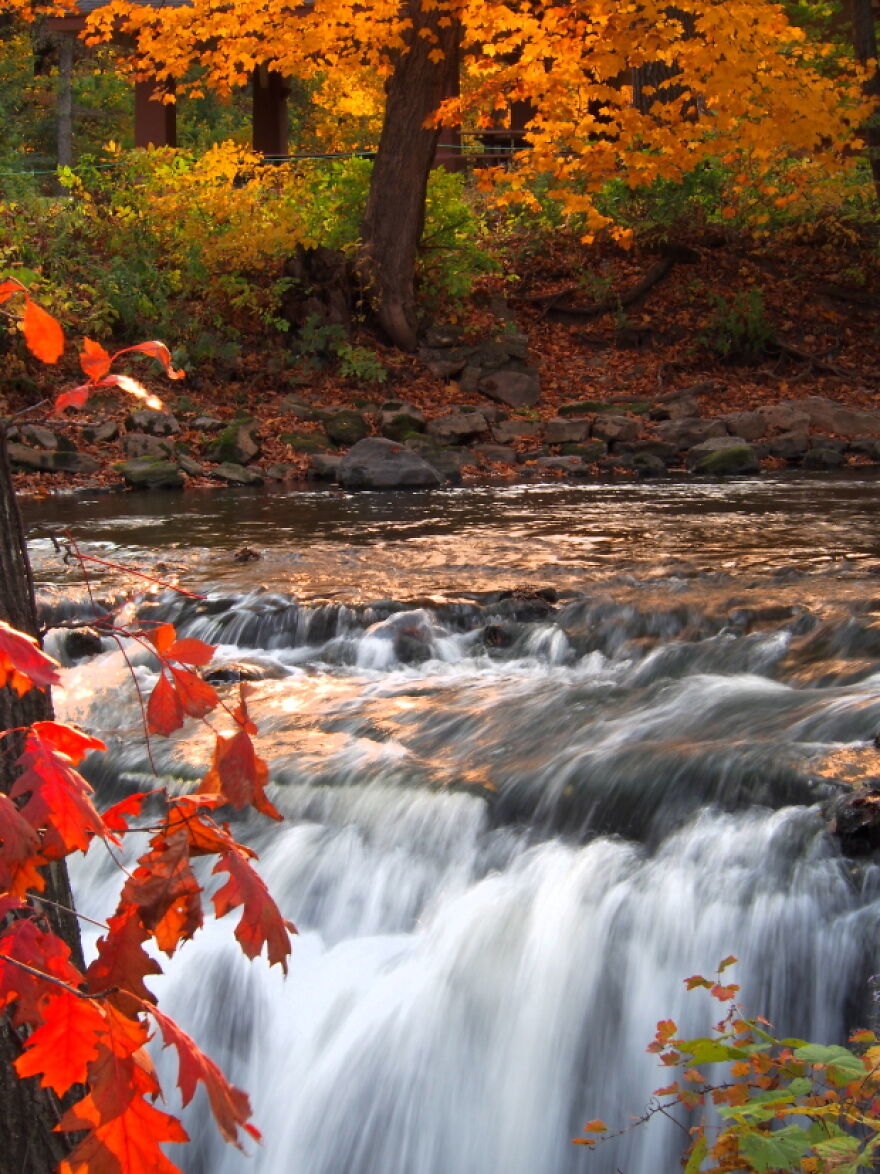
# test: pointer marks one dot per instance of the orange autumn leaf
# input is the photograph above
(94, 360)
(239, 774)
(20, 856)
(42, 333)
(196, 696)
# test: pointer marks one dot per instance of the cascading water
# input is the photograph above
(515, 822)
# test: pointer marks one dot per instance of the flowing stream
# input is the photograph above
(543, 752)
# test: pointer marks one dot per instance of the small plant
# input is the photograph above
(738, 331)
(322, 341)
(776, 1105)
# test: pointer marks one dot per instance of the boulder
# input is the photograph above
(789, 446)
(104, 432)
(307, 442)
(567, 465)
(591, 450)
(234, 474)
(516, 389)
(379, 463)
(499, 454)
(397, 420)
(448, 461)
(689, 431)
(323, 467)
(648, 466)
(748, 425)
(822, 458)
(784, 417)
(292, 405)
(147, 473)
(457, 427)
(566, 431)
(826, 415)
(507, 430)
(613, 428)
(866, 446)
(154, 422)
(583, 407)
(207, 424)
(40, 437)
(237, 444)
(45, 461)
(723, 456)
(346, 427)
(141, 444)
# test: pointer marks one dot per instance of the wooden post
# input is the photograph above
(269, 93)
(155, 122)
(64, 99)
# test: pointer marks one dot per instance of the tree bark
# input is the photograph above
(29, 1113)
(64, 101)
(864, 35)
(395, 212)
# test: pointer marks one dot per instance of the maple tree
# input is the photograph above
(748, 89)
(77, 1087)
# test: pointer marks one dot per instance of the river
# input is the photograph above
(543, 752)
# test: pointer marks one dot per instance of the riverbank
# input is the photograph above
(601, 365)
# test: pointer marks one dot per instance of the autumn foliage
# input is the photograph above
(83, 1033)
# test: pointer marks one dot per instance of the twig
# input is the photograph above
(71, 990)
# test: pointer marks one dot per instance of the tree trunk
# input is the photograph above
(64, 101)
(28, 1112)
(864, 34)
(395, 212)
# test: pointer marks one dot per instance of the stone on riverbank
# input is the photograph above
(379, 463)
(148, 473)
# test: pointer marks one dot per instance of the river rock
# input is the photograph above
(569, 465)
(582, 407)
(648, 466)
(560, 430)
(46, 461)
(379, 463)
(589, 451)
(141, 444)
(103, 432)
(293, 405)
(723, 456)
(822, 458)
(789, 446)
(749, 425)
(148, 473)
(499, 454)
(457, 427)
(323, 467)
(448, 461)
(154, 422)
(516, 389)
(507, 430)
(238, 443)
(397, 420)
(827, 415)
(207, 424)
(616, 428)
(306, 442)
(866, 446)
(784, 417)
(40, 437)
(346, 427)
(234, 474)
(689, 431)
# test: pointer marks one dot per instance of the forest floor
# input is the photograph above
(744, 323)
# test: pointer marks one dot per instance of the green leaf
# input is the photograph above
(838, 1060)
(697, 1154)
(709, 1051)
(781, 1150)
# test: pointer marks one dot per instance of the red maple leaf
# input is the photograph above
(59, 802)
(165, 891)
(238, 774)
(122, 963)
(230, 1106)
(23, 663)
(20, 857)
(261, 922)
(61, 1049)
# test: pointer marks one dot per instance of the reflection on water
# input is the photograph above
(327, 544)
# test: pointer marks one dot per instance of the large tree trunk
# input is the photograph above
(28, 1113)
(864, 33)
(395, 212)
